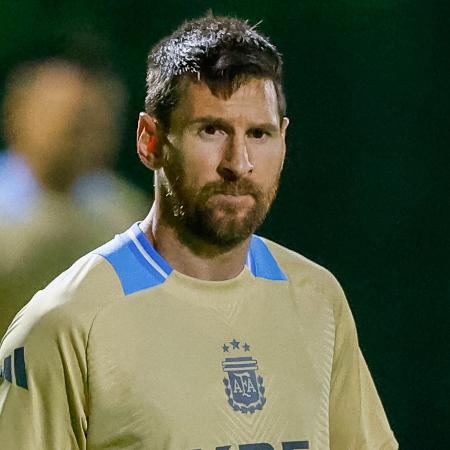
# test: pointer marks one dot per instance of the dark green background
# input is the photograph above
(365, 188)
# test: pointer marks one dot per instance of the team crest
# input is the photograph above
(243, 385)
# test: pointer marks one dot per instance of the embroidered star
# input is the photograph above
(235, 344)
(225, 348)
(246, 347)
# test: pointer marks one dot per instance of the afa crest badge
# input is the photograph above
(243, 385)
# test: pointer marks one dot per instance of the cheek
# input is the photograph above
(268, 164)
(201, 160)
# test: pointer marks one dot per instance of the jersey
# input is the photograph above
(121, 351)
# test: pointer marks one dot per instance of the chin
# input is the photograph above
(230, 232)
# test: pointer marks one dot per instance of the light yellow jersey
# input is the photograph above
(123, 352)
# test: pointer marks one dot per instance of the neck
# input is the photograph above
(211, 264)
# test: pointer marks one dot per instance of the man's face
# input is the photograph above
(223, 162)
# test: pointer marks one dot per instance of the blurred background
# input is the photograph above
(364, 187)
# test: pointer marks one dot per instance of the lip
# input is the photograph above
(235, 199)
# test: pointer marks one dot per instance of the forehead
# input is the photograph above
(255, 100)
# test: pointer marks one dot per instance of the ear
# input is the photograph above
(148, 142)
(284, 125)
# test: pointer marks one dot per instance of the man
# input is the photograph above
(187, 331)
(62, 126)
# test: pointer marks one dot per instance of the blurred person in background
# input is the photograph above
(58, 195)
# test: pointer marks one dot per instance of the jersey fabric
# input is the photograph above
(123, 352)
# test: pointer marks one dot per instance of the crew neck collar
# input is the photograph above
(139, 265)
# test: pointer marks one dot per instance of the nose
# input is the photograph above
(235, 163)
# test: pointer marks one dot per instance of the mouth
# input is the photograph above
(235, 199)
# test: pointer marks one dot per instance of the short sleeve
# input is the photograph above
(357, 417)
(43, 398)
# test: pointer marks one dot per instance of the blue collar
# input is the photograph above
(139, 266)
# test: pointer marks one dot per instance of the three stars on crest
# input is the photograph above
(235, 346)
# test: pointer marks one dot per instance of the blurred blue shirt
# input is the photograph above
(19, 189)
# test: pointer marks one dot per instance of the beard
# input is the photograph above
(205, 216)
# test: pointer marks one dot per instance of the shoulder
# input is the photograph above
(296, 265)
(314, 289)
(67, 306)
(306, 276)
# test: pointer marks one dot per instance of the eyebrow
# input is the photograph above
(226, 126)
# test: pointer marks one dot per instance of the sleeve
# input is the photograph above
(43, 398)
(357, 417)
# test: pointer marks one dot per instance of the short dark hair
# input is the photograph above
(223, 52)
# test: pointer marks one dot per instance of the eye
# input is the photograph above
(258, 133)
(210, 129)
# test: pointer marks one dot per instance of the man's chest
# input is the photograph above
(179, 376)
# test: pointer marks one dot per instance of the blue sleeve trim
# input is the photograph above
(262, 263)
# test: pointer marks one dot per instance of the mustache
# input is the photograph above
(239, 187)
